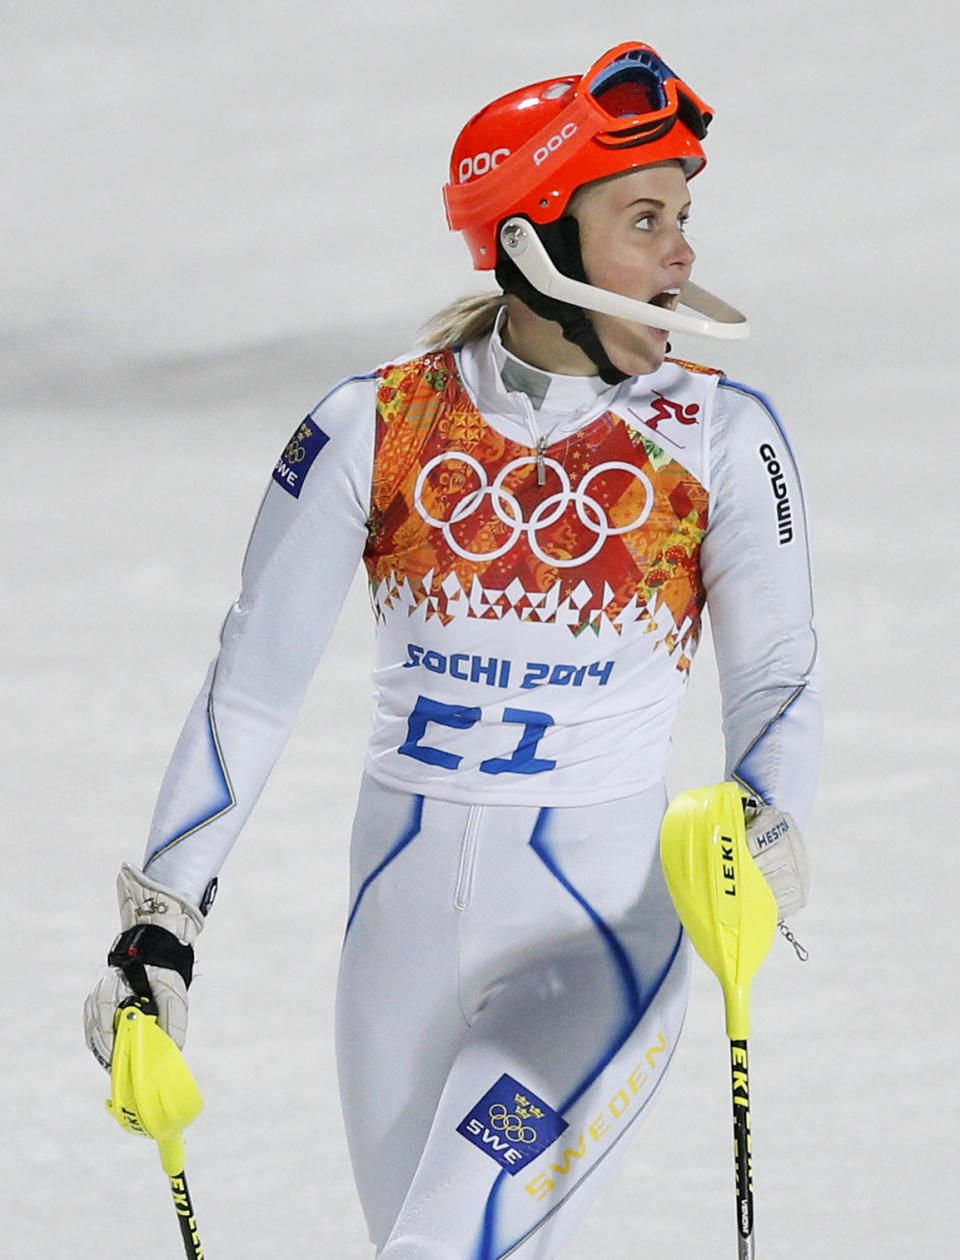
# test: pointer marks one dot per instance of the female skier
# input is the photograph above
(543, 502)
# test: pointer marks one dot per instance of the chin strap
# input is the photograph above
(561, 240)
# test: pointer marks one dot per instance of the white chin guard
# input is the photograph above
(722, 321)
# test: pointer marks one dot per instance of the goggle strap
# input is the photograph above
(482, 198)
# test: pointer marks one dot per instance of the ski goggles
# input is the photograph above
(641, 98)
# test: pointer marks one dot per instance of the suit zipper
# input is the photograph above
(468, 856)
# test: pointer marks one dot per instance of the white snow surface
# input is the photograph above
(212, 213)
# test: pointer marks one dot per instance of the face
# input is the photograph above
(632, 238)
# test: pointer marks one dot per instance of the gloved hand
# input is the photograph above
(774, 840)
(151, 958)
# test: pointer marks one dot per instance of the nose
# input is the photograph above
(680, 252)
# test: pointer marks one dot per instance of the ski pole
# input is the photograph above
(154, 1095)
(173, 1158)
(730, 915)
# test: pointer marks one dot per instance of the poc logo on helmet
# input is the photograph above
(480, 164)
(554, 143)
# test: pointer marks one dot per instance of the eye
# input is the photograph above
(646, 222)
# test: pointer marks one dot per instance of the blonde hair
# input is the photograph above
(466, 319)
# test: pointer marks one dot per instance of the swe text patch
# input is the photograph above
(299, 453)
(512, 1125)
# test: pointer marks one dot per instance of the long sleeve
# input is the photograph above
(308, 539)
(756, 569)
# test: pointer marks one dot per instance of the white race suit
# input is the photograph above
(539, 549)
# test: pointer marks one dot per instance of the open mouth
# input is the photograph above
(667, 299)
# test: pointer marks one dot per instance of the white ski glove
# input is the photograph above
(774, 840)
(151, 959)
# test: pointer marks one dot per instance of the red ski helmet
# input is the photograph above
(528, 151)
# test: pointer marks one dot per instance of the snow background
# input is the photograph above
(214, 212)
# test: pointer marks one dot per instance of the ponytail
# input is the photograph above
(467, 319)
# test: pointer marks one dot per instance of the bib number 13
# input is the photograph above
(522, 760)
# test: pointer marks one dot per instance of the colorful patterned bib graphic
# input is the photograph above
(599, 529)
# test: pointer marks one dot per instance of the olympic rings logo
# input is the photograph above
(295, 453)
(511, 1125)
(508, 510)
